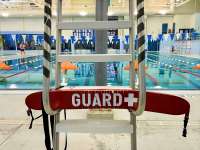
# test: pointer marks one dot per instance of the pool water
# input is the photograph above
(163, 72)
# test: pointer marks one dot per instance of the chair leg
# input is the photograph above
(134, 134)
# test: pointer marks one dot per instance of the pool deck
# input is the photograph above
(9, 55)
(189, 55)
(155, 131)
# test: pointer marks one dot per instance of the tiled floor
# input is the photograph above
(155, 131)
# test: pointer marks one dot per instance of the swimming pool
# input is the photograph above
(163, 72)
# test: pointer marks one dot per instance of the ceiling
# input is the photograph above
(74, 7)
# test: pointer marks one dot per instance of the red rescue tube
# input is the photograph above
(156, 102)
(111, 98)
(166, 104)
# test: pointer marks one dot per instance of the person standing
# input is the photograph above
(22, 48)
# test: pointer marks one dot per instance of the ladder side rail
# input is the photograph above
(132, 70)
(58, 69)
(58, 43)
(131, 44)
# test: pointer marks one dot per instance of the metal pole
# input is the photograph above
(101, 42)
(58, 68)
(131, 44)
(134, 134)
(132, 70)
(58, 43)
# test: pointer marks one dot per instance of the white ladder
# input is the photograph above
(97, 126)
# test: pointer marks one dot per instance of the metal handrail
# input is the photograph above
(47, 59)
(141, 58)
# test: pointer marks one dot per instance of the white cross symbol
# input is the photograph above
(130, 99)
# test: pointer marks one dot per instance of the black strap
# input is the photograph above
(52, 120)
(46, 127)
(184, 134)
(46, 130)
(185, 125)
(30, 113)
(65, 117)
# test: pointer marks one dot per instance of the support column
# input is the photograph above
(101, 42)
(172, 5)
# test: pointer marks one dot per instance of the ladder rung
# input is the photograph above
(94, 57)
(94, 25)
(94, 126)
(97, 87)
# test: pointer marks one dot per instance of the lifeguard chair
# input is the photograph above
(52, 101)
